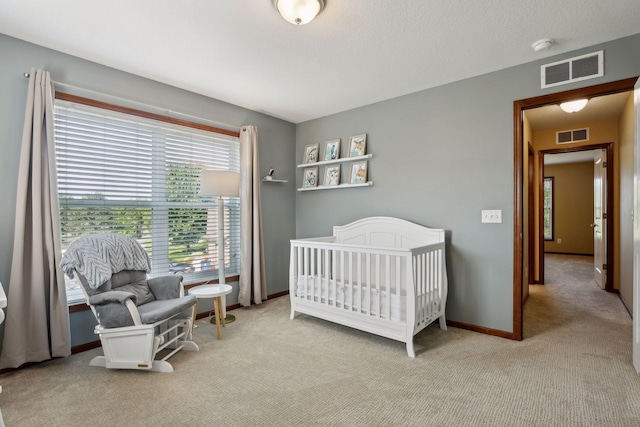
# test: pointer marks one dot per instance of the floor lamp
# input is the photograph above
(221, 184)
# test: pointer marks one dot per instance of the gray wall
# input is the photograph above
(440, 157)
(276, 139)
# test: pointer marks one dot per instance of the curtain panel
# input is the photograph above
(37, 323)
(253, 285)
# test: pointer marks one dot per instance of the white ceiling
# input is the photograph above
(575, 157)
(354, 53)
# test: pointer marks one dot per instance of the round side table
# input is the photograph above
(216, 292)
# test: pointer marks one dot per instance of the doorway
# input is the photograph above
(597, 226)
(519, 107)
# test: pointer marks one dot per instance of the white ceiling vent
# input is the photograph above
(572, 70)
(569, 136)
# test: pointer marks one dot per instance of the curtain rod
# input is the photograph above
(168, 112)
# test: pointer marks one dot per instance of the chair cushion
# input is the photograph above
(134, 282)
(140, 290)
(157, 310)
(125, 277)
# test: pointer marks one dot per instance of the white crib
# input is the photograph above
(382, 275)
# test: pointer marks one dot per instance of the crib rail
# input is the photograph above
(430, 284)
(395, 285)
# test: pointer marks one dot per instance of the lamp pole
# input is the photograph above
(222, 279)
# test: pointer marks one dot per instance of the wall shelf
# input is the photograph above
(342, 160)
(274, 180)
(335, 187)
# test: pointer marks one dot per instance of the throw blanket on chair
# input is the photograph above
(99, 256)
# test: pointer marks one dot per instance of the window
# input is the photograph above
(548, 208)
(122, 173)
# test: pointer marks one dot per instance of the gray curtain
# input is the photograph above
(37, 324)
(253, 286)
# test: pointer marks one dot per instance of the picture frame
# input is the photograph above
(311, 153)
(331, 176)
(358, 145)
(358, 173)
(310, 178)
(332, 149)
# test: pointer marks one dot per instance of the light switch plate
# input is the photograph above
(492, 216)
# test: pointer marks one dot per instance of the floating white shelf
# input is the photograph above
(342, 160)
(274, 180)
(335, 187)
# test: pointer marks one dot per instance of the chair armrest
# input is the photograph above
(112, 296)
(166, 287)
(116, 309)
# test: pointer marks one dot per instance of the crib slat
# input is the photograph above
(306, 272)
(299, 267)
(318, 274)
(432, 281)
(342, 277)
(367, 285)
(387, 311)
(378, 286)
(426, 278)
(398, 275)
(334, 254)
(358, 303)
(417, 283)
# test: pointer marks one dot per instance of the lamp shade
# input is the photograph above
(220, 184)
(299, 12)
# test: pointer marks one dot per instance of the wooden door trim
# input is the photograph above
(540, 236)
(531, 203)
(518, 108)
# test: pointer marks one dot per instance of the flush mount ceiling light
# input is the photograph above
(299, 12)
(542, 44)
(574, 106)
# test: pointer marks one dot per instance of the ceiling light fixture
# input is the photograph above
(299, 12)
(574, 106)
(542, 44)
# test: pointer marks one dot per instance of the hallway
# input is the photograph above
(573, 306)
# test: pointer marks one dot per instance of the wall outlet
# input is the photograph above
(492, 216)
(559, 240)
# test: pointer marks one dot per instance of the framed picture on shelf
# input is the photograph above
(332, 149)
(310, 178)
(358, 145)
(310, 153)
(358, 173)
(331, 175)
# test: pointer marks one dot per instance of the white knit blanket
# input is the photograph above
(99, 256)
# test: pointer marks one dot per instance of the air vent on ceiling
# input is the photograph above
(569, 136)
(572, 70)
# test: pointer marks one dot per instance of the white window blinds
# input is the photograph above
(119, 173)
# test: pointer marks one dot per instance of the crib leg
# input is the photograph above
(293, 314)
(443, 323)
(410, 350)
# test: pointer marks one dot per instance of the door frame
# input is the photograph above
(531, 234)
(519, 107)
(608, 146)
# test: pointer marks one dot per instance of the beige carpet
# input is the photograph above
(573, 369)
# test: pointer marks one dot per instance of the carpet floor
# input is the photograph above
(572, 369)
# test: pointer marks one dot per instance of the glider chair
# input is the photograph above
(141, 322)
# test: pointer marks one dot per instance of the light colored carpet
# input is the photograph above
(573, 369)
